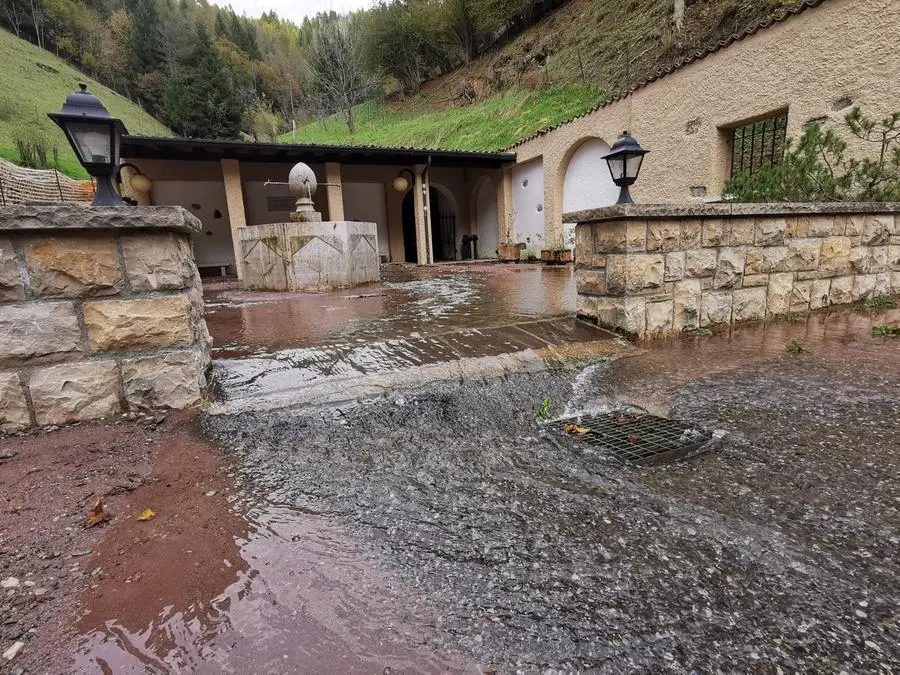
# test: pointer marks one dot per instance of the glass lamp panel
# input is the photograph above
(93, 142)
(633, 165)
(616, 167)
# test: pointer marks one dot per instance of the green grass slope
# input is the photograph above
(565, 64)
(33, 82)
(496, 122)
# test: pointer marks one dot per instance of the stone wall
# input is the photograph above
(101, 312)
(653, 270)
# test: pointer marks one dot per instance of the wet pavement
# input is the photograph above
(410, 302)
(304, 596)
(510, 545)
(278, 349)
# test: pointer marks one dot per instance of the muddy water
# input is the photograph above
(305, 600)
(408, 302)
(662, 366)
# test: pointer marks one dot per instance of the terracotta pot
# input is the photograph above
(508, 252)
(554, 257)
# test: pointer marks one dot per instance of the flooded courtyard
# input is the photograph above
(438, 520)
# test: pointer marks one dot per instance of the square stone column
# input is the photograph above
(234, 199)
(504, 205)
(421, 224)
(334, 193)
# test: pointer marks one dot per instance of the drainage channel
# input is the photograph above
(638, 438)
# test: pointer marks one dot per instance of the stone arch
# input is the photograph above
(484, 217)
(586, 181)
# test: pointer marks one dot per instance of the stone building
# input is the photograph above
(811, 63)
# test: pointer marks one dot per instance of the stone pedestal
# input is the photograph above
(308, 256)
(101, 312)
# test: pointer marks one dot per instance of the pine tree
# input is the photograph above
(200, 100)
(144, 51)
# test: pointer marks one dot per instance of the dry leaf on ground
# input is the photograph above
(148, 514)
(97, 515)
(575, 429)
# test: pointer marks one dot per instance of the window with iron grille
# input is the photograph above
(758, 144)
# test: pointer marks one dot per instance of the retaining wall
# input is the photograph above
(653, 270)
(101, 312)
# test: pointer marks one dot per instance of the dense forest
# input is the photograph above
(207, 72)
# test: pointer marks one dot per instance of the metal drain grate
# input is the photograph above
(636, 437)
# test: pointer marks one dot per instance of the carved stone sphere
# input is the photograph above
(302, 180)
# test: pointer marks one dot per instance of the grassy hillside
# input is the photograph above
(33, 82)
(493, 123)
(563, 65)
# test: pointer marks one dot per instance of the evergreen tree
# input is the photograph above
(144, 41)
(200, 100)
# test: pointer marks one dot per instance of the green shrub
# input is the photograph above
(816, 168)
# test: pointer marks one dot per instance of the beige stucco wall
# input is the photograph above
(843, 49)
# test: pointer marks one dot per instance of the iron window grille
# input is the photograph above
(758, 145)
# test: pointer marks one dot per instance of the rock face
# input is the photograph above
(75, 391)
(693, 266)
(11, 287)
(13, 406)
(138, 324)
(158, 262)
(100, 311)
(73, 266)
(37, 329)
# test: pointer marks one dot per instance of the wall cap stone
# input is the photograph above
(75, 217)
(723, 209)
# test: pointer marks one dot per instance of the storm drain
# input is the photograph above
(638, 438)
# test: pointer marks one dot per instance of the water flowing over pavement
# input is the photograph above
(432, 524)
(419, 324)
(778, 548)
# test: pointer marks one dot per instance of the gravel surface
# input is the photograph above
(777, 549)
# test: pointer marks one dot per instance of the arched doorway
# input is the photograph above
(443, 227)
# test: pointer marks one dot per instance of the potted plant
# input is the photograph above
(509, 252)
(559, 254)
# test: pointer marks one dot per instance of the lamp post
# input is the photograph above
(624, 161)
(95, 135)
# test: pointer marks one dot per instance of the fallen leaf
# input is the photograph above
(575, 429)
(97, 515)
(148, 514)
(634, 438)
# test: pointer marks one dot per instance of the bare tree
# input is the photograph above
(37, 18)
(15, 11)
(339, 78)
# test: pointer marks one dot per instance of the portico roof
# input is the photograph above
(193, 149)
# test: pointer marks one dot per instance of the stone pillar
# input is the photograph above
(504, 205)
(101, 312)
(234, 198)
(334, 194)
(421, 225)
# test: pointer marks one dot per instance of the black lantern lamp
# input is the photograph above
(624, 160)
(96, 138)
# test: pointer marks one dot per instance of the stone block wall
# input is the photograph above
(654, 270)
(101, 312)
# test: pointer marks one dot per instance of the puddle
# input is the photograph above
(305, 599)
(409, 301)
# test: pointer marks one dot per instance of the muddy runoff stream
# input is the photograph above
(445, 529)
